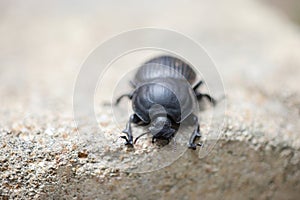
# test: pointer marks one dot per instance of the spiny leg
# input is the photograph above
(129, 138)
(122, 96)
(196, 134)
(200, 96)
(195, 87)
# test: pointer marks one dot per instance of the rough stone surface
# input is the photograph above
(42, 156)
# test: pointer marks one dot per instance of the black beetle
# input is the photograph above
(163, 97)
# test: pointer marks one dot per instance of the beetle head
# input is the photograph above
(161, 128)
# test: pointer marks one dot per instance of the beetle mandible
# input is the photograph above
(162, 98)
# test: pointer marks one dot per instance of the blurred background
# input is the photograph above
(288, 8)
(43, 44)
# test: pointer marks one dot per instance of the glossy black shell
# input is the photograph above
(164, 67)
(165, 81)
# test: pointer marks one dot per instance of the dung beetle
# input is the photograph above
(163, 96)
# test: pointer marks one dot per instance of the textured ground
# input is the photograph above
(42, 156)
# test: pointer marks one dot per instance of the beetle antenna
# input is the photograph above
(140, 136)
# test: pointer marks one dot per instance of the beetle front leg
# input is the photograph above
(196, 134)
(195, 87)
(121, 97)
(200, 96)
(129, 138)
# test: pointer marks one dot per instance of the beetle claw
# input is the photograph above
(153, 140)
(124, 137)
(127, 143)
(200, 144)
(192, 146)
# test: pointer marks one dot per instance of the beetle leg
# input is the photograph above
(133, 84)
(195, 87)
(200, 96)
(122, 96)
(196, 134)
(153, 140)
(129, 139)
